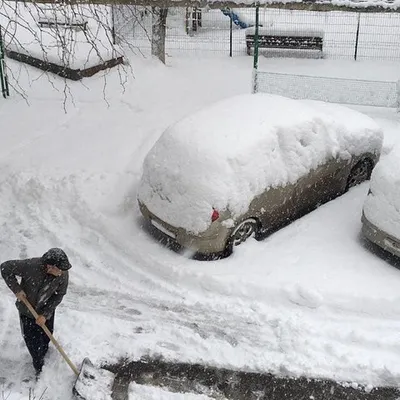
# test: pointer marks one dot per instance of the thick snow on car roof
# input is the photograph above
(228, 127)
(228, 153)
(382, 205)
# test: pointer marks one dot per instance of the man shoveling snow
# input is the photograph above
(44, 282)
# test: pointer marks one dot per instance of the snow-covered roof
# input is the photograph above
(225, 155)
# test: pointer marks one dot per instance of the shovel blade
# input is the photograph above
(93, 383)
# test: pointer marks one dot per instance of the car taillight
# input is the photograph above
(215, 215)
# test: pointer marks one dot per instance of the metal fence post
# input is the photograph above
(255, 59)
(230, 36)
(3, 72)
(357, 36)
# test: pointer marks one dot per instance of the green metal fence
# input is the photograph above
(346, 35)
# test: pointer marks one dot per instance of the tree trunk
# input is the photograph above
(159, 29)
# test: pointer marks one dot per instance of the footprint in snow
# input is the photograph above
(304, 297)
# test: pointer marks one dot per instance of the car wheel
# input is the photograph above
(359, 173)
(243, 231)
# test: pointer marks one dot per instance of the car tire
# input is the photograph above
(241, 233)
(359, 173)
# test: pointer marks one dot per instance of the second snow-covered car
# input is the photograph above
(250, 164)
(381, 211)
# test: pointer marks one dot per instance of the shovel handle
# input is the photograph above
(51, 337)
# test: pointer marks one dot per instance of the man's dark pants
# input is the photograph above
(36, 339)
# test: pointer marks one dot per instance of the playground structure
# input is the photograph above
(237, 18)
(193, 18)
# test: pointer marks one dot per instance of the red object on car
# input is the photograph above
(215, 215)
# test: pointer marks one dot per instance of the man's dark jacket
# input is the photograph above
(44, 291)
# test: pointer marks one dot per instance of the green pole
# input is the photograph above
(230, 34)
(3, 74)
(255, 59)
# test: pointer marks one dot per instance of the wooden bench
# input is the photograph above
(269, 38)
(61, 16)
(47, 23)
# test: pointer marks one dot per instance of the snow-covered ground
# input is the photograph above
(74, 48)
(309, 300)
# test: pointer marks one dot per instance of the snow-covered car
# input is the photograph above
(250, 164)
(381, 211)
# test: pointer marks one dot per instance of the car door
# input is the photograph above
(320, 185)
(274, 207)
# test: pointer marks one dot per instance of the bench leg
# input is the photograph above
(248, 50)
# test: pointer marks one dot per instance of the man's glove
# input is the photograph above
(41, 320)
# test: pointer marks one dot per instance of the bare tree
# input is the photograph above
(68, 38)
(159, 28)
(62, 38)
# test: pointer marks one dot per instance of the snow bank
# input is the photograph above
(226, 154)
(382, 205)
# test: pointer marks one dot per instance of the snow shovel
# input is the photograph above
(91, 383)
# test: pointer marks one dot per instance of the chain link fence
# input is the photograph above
(190, 30)
(346, 35)
(334, 90)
